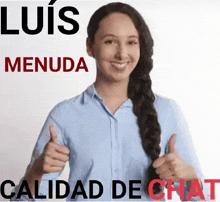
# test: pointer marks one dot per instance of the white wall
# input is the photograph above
(186, 68)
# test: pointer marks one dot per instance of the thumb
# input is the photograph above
(53, 135)
(172, 144)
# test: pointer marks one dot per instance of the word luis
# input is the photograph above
(40, 20)
(31, 64)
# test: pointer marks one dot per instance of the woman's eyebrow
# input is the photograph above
(112, 35)
(107, 35)
(133, 36)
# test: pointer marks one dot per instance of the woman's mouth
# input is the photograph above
(118, 65)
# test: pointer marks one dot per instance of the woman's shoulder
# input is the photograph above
(168, 109)
(73, 106)
(162, 102)
(67, 103)
(66, 107)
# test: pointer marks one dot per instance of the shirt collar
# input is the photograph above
(91, 92)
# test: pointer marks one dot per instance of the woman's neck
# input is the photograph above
(113, 93)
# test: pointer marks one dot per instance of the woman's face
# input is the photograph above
(116, 48)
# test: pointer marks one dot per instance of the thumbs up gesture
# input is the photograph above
(171, 166)
(53, 158)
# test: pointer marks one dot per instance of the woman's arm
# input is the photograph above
(180, 160)
(47, 161)
(172, 166)
(52, 160)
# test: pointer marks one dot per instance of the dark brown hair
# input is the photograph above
(139, 87)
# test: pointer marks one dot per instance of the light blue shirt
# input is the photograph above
(106, 147)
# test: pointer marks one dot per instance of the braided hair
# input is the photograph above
(139, 86)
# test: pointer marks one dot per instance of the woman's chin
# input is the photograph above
(119, 79)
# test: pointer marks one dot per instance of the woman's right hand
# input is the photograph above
(53, 158)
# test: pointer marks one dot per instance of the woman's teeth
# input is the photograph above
(119, 65)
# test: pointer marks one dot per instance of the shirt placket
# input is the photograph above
(116, 152)
(116, 163)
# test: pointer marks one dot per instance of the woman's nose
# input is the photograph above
(121, 52)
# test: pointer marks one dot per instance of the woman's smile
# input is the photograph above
(119, 65)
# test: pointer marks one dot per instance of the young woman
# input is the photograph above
(117, 129)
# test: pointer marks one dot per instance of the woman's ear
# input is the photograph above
(89, 48)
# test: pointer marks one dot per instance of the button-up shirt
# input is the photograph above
(107, 147)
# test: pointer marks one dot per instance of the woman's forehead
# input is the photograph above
(117, 24)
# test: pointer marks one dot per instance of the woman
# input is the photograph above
(117, 129)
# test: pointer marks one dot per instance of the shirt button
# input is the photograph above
(116, 170)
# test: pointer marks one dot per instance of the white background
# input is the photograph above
(186, 69)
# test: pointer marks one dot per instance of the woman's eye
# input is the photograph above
(132, 42)
(109, 42)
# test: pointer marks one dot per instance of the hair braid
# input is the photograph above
(141, 94)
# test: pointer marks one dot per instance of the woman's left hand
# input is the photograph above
(171, 166)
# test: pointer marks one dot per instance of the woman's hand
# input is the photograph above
(53, 158)
(171, 166)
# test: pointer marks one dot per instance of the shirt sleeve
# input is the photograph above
(43, 139)
(185, 149)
